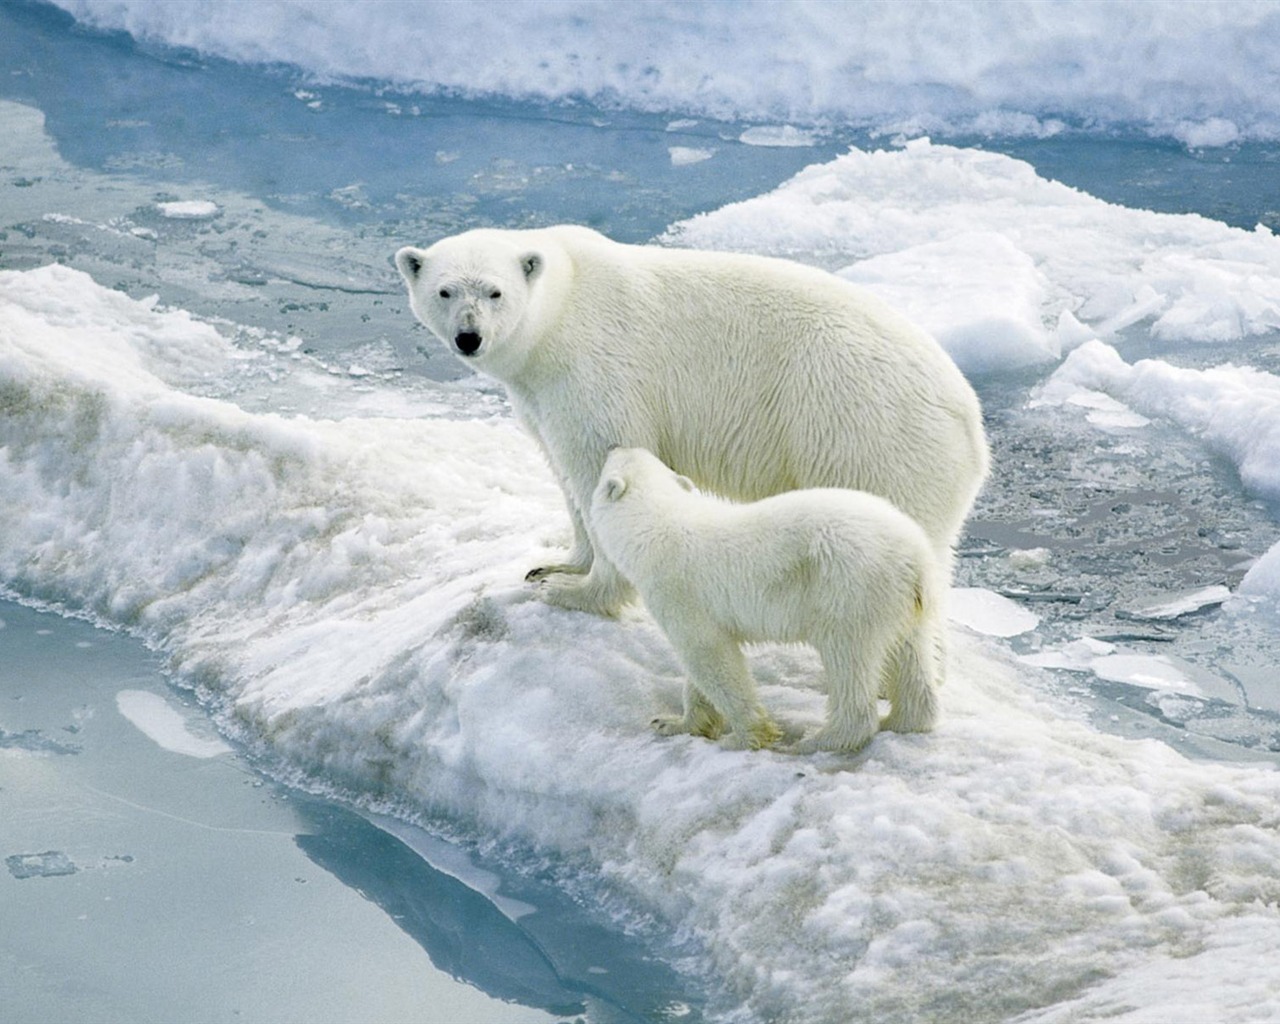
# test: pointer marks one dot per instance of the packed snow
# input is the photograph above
(1207, 74)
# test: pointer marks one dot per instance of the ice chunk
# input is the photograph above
(49, 864)
(683, 156)
(779, 136)
(978, 294)
(1173, 606)
(1150, 671)
(989, 613)
(986, 253)
(164, 726)
(1263, 578)
(1234, 409)
(1212, 132)
(190, 209)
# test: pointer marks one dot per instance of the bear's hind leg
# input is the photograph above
(853, 683)
(913, 682)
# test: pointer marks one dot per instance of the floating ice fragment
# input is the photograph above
(1177, 605)
(162, 725)
(1150, 671)
(1105, 412)
(1263, 578)
(190, 209)
(49, 864)
(34, 740)
(1030, 558)
(978, 294)
(682, 156)
(989, 613)
(778, 136)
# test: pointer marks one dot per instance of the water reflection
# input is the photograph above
(539, 950)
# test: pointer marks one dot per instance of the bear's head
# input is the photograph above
(636, 471)
(473, 292)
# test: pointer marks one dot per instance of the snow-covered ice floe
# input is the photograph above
(1006, 268)
(346, 593)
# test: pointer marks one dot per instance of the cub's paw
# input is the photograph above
(833, 741)
(763, 732)
(679, 725)
(669, 725)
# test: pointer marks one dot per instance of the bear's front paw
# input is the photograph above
(577, 595)
(541, 572)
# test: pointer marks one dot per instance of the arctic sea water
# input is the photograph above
(223, 435)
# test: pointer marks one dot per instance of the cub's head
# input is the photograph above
(473, 292)
(636, 473)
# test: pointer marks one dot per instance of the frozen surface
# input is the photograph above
(223, 434)
(355, 610)
(1205, 73)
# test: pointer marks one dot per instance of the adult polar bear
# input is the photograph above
(752, 376)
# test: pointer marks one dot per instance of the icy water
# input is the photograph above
(270, 205)
(153, 874)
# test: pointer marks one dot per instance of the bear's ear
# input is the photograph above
(685, 483)
(531, 264)
(411, 261)
(614, 488)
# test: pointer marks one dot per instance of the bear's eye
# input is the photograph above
(445, 293)
(495, 294)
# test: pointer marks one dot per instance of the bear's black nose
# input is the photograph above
(468, 342)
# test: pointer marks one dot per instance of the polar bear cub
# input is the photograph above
(841, 570)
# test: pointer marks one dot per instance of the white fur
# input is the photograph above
(752, 376)
(841, 570)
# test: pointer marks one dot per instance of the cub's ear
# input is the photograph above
(614, 488)
(410, 261)
(685, 483)
(531, 263)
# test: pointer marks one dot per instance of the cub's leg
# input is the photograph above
(913, 681)
(719, 677)
(854, 671)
